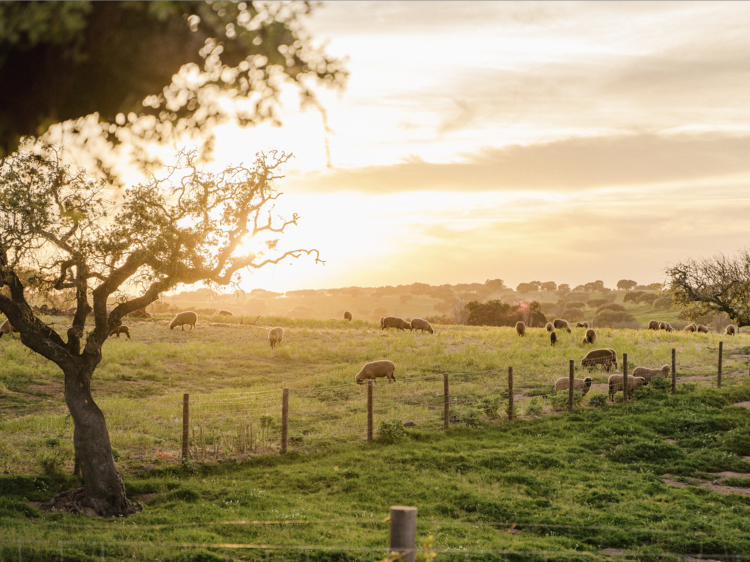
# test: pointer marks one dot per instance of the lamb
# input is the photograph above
(7, 328)
(189, 318)
(549, 327)
(275, 335)
(690, 328)
(420, 324)
(605, 357)
(654, 325)
(553, 337)
(616, 384)
(225, 313)
(702, 329)
(560, 323)
(649, 374)
(521, 328)
(590, 336)
(120, 330)
(395, 322)
(376, 369)
(563, 383)
(348, 316)
(730, 330)
(582, 325)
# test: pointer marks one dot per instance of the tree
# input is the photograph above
(532, 287)
(163, 61)
(594, 286)
(563, 289)
(495, 285)
(185, 227)
(626, 284)
(549, 286)
(712, 285)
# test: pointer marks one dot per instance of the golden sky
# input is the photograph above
(559, 141)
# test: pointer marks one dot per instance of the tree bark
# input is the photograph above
(104, 489)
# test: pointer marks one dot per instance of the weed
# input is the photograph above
(391, 431)
(598, 400)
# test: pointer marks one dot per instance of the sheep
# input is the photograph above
(730, 330)
(590, 336)
(649, 374)
(668, 327)
(702, 329)
(189, 318)
(553, 337)
(582, 325)
(605, 357)
(381, 321)
(7, 328)
(560, 323)
(662, 325)
(690, 328)
(521, 328)
(348, 316)
(395, 322)
(563, 383)
(549, 327)
(275, 335)
(120, 330)
(420, 324)
(376, 369)
(654, 325)
(616, 384)
(225, 313)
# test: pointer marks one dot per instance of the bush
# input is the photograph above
(559, 401)
(390, 432)
(490, 406)
(663, 302)
(598, 400)
(466, 415)
(610, 306)
(648, 298)
(661, 383)
(534, 408)
(686, 387)
(577, 296)
(575, 304)
(574, 315)
(594, 303)
(51, 463)
(614, 319)
(633, 297)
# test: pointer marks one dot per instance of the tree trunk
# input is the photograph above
(104, 489)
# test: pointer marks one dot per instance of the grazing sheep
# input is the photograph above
(376, 369)
(616, 385)
(668, 327)
(654, 325)
(348, 316)
(690, 328)
(420, 324)
(225, 313)
(275, 335)
(582, 325)
(662, 325)
(120, 330)
(649, 374)
(601, 357)
(563, 383)
(590, 336)
(549, 327)
(7, 328)
(189, 318)
(381, 321)
(730, 330)
(395, 322)
(702, 329)
(560, 323)
(553, 337)
(521, 328)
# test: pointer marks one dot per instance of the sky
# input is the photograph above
(564, 141)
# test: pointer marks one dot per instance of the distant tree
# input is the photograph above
(648, 298)
(594, 286)
(626, 284)
(532, 287)
(495, 285)
(498, 313)
(443, 307)
(549, 286)
(610, 306)
(633, 296)
(713, 285)
(574, 314)
(404, 299)
(185, 227)
(593, 303)
(164, 61)
(563, 289)
(575, 304)
(665, 302)
(615, 319)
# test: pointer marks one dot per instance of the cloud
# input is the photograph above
(565, 165)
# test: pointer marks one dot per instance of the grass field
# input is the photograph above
(550, 470)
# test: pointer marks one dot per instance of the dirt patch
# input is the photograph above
(724, 475)
(723, 490)
(670, 441)
(49, 389)
(144, 498)
(743, 404)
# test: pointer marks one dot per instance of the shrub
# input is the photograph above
(661, 383)
(598, 400)
(534, 408)
(490, 406)
(663, 302)
(574, 315)
(466, 415)
(390, 432)
(610, 306)
(51, 463)
(559, 401)
(633, 297)
(594, 303)
(648, 298)
(686, 388)
(614, 319)
(575, 304)
(577, 296)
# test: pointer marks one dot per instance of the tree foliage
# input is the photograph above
(498, 313)
(626, 284)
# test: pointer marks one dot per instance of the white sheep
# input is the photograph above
(549, 327)
(563, 383)
(189, 317)
(616, 385)
(601, 357)
(421, 324)
(348, 316)
(395, 322)
(648, 374)
(376, 369)
(702, 329)
(553, 338)
(590, 336)
(521, 328)
(560, 323)
(275, 335)
(730, 330)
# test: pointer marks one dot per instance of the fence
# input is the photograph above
(310, 419)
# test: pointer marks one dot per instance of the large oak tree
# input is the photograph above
(61, 230)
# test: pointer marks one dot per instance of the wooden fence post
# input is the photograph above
(403, 531)
(185, 425)
(446, 403)
(624, 377)
(721, 351)
(674, 371)
(369, 410)
(510, 393)
(284, 420)
(570, 385)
